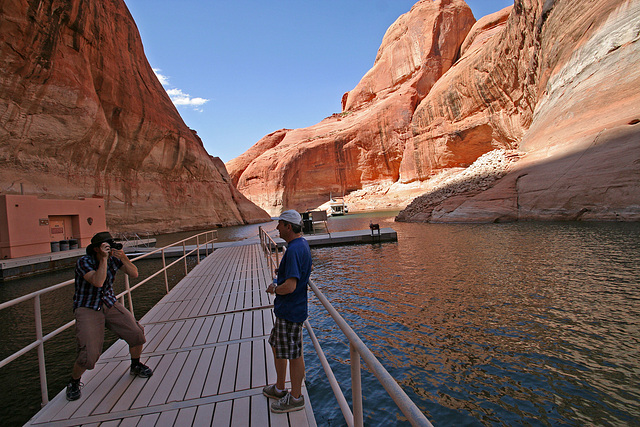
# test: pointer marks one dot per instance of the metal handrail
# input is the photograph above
(358, 350)
(134, 239)
(210, 237)
(270, 247)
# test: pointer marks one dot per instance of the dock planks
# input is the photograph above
(207, 344)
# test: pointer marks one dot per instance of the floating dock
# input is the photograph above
(207, 344)
(329, 239)
(16, 268)
(36, 264)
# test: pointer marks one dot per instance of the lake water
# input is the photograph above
(492, 324)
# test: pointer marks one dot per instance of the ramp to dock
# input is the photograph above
(207, 344)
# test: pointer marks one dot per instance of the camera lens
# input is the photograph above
(115, 245)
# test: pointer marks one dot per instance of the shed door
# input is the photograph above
(56, 229)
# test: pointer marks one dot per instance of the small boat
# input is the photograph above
(337, 207)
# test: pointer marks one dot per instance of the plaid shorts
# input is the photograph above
(286, 339)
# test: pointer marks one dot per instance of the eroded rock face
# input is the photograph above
(570, 105)
(365, 143)
(82, 114)
(557, 81)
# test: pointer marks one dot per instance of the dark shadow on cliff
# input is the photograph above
(598, 180)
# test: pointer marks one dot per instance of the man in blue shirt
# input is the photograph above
(95, 306)
(290, 309)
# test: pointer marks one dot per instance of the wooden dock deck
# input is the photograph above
(207, 344)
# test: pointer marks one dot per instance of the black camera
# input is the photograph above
(115, 245)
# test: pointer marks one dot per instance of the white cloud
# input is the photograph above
(178, 97)
(164, 80)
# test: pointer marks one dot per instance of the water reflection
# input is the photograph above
(494, 324)
(497, 324)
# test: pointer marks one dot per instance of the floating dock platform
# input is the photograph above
(36, 264)
(207, 344)
(16, 268)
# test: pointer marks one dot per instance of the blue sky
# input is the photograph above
(238, 70)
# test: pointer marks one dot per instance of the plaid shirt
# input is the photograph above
(86, 294)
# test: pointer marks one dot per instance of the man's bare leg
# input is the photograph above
(135, 351)
(296, 368)
(77, 371)
(281, 371)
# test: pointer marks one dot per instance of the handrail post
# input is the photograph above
(184, 254)
(415, 416)
(164, 268)
(41, 364)
(261, 238)
(271, 255)
(356, 387)
(127, 287)
(342, 401)
(198, 251)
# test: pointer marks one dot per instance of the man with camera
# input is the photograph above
(95, 306)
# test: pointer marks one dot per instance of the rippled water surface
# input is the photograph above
(501, 324)
(493, 324)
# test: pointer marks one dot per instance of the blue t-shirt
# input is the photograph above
(296, 262)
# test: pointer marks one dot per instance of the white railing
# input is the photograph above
(134, 239)
(209, 238)
(358, 350)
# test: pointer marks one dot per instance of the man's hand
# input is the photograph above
(287, 287)
(103, 251)
(98, 277)
(118, 253)
(129, 268)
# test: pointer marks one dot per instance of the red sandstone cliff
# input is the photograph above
(364, 144)
(553, 86)
(561, 84)
(82, 114)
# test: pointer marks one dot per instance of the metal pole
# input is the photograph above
(184, 254)
(164, 267)
(276, 263)
(406, 405)
(356, 387)
(41, 365)
(198, 246)
(342, 402)
(128, 289)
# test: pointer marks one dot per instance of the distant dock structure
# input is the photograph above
(36, 264)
